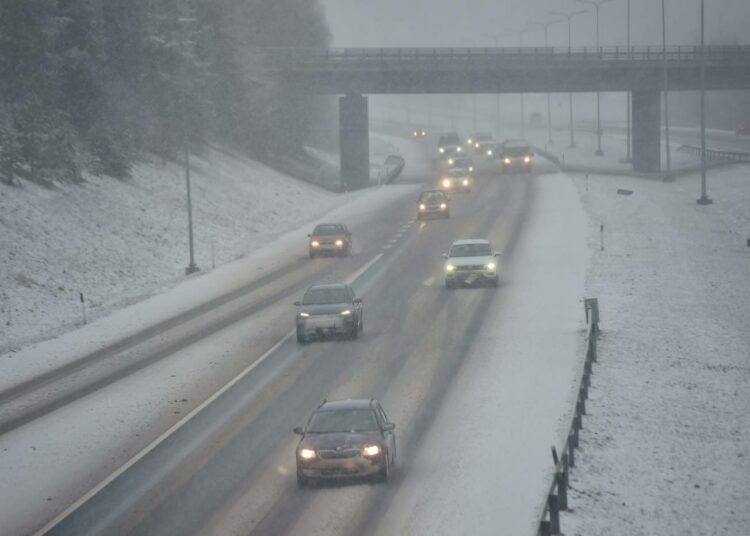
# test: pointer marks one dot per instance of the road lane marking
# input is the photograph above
(388, 246)
(429, 281)
(184, 420)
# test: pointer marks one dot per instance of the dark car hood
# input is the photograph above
(326, 309)
(343, 439)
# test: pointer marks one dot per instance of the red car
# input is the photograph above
(330, 239)
(743, 129)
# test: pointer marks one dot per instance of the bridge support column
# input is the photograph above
(354, 141)
(646, 131)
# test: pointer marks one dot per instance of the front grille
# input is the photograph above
(338, 454)
(471, 267)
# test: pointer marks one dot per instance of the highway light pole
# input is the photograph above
(569, 16)
(665, 89)
(704, 199)
(520, 44)
(627, 94)
(191, 267)
(546, 25)
(597, 4)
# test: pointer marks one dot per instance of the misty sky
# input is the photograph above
(478, 22)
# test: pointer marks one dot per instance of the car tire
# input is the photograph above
(302, 481)
(419, 217)
(385, 473)
(447, 215)
(449, 285)
(495, 282)
(301, 338)
(354, 333)
(312, 255)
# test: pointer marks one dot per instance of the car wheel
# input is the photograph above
(312, 255)
(385, 473)
(447, 215)
(449, 285)
(419, 217)
(301, 338)
(354, 333)
(495, 282)
(302, 481)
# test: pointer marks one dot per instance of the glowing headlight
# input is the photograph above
(443, 206)
(527, 159)
(339, 243)
(470, 140)
(415, 134)
(346, 312)
(422, 207)
(424, 133)
(466, 182)
(441, 150)
(490, 266)
(447, 183)
(476, 145)
(449, 268)
(507, 160)
(307, 454)
(458, 149)
(450, 161)
(372, 450)
(314, 243)
(304, 315)
(471, 168)
(489, 152)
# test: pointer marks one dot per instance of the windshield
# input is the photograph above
(432, 197)
(449, 139)
(350, 420)
(470, 250)
(322, 296)
(326, 230)
(517, 150)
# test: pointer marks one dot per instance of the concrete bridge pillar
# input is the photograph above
(647, 131)
(354, 141)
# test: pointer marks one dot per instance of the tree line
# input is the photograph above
(91, 84)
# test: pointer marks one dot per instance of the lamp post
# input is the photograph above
(569, 16)
(628, 158)
(704, 199)
(597, 4)
(546, 25)
(191, 267)
(520, 33)
(665, 89)
(497, 97)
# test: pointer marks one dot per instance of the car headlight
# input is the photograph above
(469, 141)
(458, 149)
(346, 312)
(441, 150)
(490, 265)
(307, 454)
(449, 268)
(304, 315)
(507, 160)
(489, 152)
(527, 159)
(339, 243)
(424, 133)
(466, 182)
(476, 145)
(372, 450)
(447, 183)
(422, 207)
(450, 161)
(314, 243)
(443, 206)
(414, 134)
(471, 168)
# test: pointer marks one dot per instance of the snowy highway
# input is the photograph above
(230, 468)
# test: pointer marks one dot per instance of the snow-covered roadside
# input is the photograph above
(666, 443)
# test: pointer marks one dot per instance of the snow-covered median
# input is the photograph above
(666, 443)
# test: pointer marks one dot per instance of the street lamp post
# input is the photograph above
(546, 25)
(665, 89)
(569, 16)
(628, 158)
(191, 267)
(704, 199)
(497, 97)
(597, 4)
(520, 33)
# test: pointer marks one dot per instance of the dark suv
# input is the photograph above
(346, 438)
(433, 203)
(328, 311)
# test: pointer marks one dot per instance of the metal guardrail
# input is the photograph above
(394, 165)
(557, 494)
(715, 155)
(307, 57)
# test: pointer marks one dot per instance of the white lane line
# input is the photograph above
(398, 235)
(156, 442)
(393, 241)
(183, 421)
(388, 246)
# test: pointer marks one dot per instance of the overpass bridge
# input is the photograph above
(355, 73)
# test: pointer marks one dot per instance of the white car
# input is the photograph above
(470, 262)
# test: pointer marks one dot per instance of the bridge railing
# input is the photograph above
(335, 57)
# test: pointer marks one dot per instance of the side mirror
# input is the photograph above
(444, 255)
(389, 427)
(357, 300)
(298, 430)
(298, 303)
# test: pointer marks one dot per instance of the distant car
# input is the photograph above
(470, 262)
(457, 180)
(479, 141)
(418, 133)
(328, 311)
(346, 438)
(516, 155)
(461, 162)
(492, 149)
(449, 143)
(433, 204)
(330, 239)
(743, 129)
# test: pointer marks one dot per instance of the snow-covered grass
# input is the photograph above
(666, 443)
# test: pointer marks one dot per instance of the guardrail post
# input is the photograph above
(562, 490)
(572, 445)
(544, 529)
(554, 513)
